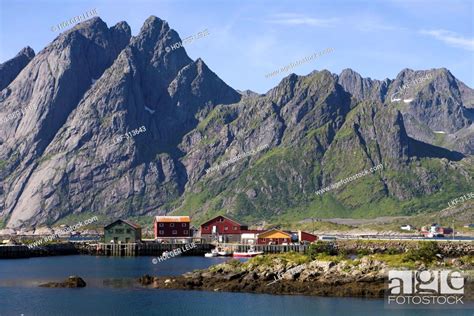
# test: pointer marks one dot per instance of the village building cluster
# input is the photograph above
(222, 229)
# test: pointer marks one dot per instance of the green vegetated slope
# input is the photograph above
(278, 185)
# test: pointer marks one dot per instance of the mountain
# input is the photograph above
(441, 110)
(121, 126)
(63, 158)
(319, 134)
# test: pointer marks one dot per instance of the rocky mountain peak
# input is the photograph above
(89, 28)
(154, 22)
(28, 52)
(362, 88)
(153, 32)
(121, 33)
(432, 103)
(10, 69)
(350, 74)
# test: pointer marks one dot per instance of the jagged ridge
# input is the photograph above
(94, 83)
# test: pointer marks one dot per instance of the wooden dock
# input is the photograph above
(135, 249)
(14, 251)
(148, 249)
(21, 251)
(118, 250)
(267, 248)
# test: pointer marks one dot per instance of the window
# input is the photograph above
(206, 228)
(175, 232)
(171, 224)
(119, 231)
(235, 227)
(161, 232)
(183, 224)
(226, 228)
(161, 225)
(129, 231)
(185, 232)
(221, 219)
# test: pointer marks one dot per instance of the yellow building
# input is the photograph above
(274, 237)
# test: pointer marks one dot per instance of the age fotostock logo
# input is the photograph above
(428, 288)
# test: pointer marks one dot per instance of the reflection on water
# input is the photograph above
(120, 283)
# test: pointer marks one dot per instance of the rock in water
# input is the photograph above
(145, 280)
(71, 282)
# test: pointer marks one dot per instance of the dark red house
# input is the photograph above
(172, 226)
(222, 229)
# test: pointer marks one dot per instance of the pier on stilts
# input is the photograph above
(149, 249)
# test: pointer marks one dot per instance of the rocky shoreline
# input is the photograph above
(366, 278)
(317, 278)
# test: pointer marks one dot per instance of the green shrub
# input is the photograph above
(362, 252)
(234, 263)
(392, 250)
(321, 247)
(425, 253)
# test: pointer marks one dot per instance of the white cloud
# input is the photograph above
(451, 38)
(374, 26)
(299, 19)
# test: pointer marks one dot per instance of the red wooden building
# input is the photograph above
(172, 226)
(306, 237)
(222, 229)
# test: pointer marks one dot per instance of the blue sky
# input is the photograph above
(251, 38)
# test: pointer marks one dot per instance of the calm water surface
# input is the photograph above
(19, 293)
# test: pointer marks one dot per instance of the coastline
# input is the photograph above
(336, 275)
(327, 284)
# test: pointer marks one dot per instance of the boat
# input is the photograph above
(248, 254)
(224, 252)
(211, 254)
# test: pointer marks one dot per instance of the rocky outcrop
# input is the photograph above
(354, 278)
(318, 278)
(10, 69)
(71, 282)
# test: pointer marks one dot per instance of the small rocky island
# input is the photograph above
(325, 272)
(71, 282)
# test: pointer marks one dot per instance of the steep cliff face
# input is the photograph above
(120, 126)
(76, 165)
(44, 95)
